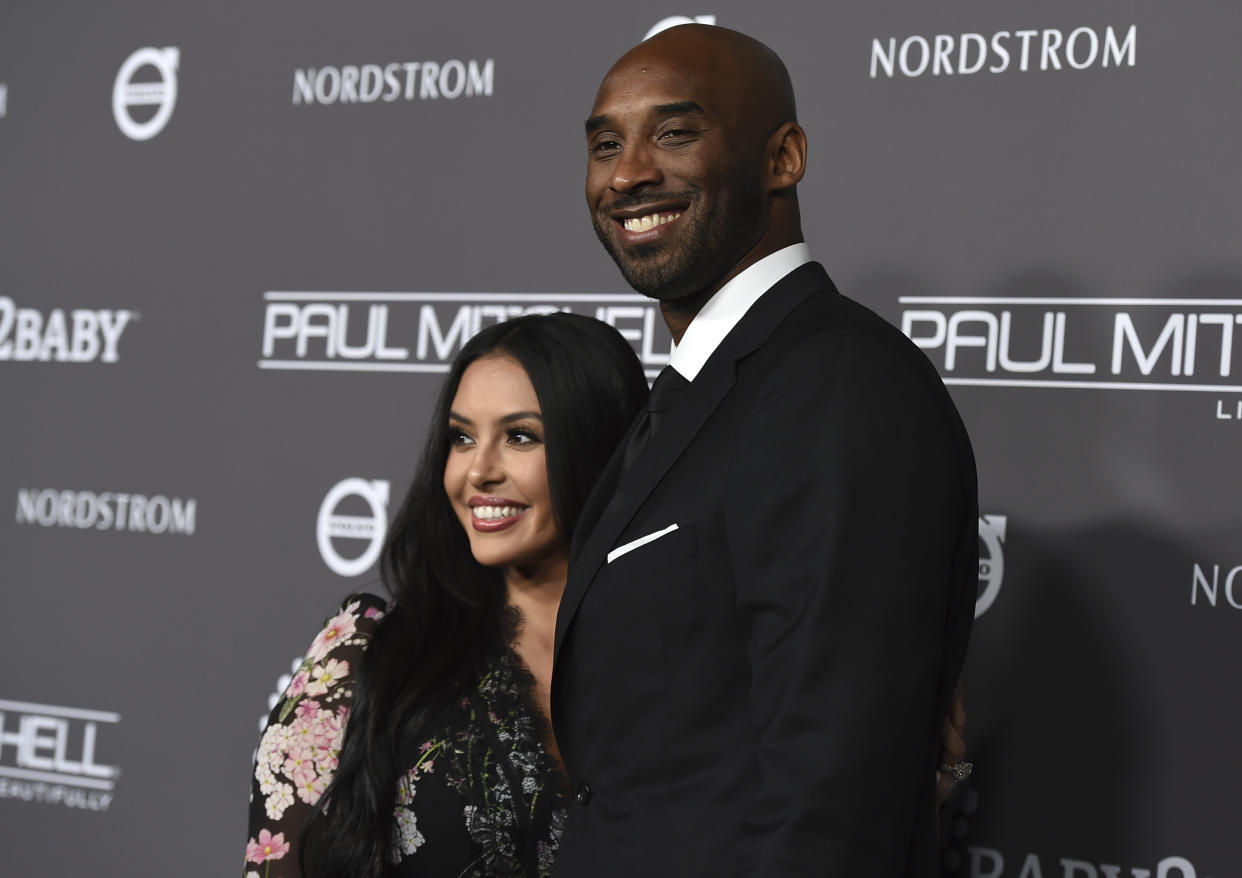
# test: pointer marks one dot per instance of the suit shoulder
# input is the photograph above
(828, 331)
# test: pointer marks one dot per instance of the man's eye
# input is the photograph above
(603, 147)
(677, 134)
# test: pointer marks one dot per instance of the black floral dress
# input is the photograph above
(481, 796)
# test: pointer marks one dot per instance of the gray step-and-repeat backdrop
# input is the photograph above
(239, 242)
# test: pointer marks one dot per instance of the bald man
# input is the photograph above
(771, 601)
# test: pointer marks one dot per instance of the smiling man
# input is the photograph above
(772, 591)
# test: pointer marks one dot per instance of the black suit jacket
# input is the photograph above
(759, 691)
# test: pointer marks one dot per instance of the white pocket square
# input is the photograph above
(641, 541)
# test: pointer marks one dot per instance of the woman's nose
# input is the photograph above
(485, 468)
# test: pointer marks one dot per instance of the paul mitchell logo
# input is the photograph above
(421, 332)
(395, 81)
(1100, 343)
(47, 754)
(989, 863)
(991, 560)
(364, 521)
(160, 93)
(107, 510)
(1207, 581)
(1001, 52)
(673, 20)
(81, 336)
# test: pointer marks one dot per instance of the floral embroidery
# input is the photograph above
(495, 759)
(407, 839)
(487, 752)
(323, 676)
(268, 847)
(338, 629)
(298, 758)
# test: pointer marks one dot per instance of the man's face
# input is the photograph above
(672, 183)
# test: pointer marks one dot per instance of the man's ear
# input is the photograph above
(786, 154)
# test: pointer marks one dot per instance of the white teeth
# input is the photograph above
(650, 221)
(491, 513)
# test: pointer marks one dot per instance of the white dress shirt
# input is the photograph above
(730, 304)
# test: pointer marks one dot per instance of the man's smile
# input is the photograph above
(651, 220)
(647, 223)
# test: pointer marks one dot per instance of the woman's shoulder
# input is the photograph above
(331, 660)
(357, 616)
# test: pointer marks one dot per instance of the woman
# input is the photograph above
(448, 766)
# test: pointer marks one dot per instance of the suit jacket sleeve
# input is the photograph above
(850, 487)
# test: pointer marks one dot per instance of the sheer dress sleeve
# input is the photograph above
(298, 751)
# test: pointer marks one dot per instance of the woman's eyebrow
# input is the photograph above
(507, 419)
(521, 416)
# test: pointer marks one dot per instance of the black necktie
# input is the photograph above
(668, 386)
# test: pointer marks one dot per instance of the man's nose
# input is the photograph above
(636, 167)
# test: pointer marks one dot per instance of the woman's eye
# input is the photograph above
(457, 438)
(523, 437)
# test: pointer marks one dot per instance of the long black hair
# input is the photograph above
(447, 608)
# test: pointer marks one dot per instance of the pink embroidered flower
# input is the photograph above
(323, 676)
(327, 761)
(310, 787)
(300, 734)
(306, 710)
(326, 731)
(299, 757)
(339, 628)
(297, 685)
(268, 847)
(304, 775)
(373, 613)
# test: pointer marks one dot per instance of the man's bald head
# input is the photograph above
(752, 76)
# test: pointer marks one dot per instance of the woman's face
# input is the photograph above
(496, 475)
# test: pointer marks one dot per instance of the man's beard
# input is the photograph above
(707, 247)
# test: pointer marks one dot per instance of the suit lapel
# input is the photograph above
(621, 495)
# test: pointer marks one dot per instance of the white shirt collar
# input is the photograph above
(723, 311)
